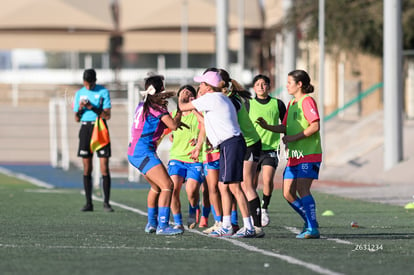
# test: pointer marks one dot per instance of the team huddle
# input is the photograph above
(222, 140)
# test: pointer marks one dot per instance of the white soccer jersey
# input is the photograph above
(220, 117)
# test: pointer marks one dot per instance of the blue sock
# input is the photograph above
(192, 209)
(216, 218)
(234, 218)
(206, 211)
(163, 217)
(178, 218)
(152, 216)
(298, 207)
(310, 209)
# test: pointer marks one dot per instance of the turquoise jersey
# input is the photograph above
(95, 96)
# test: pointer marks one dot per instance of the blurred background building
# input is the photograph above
(46, 44)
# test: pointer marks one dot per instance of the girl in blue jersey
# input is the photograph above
(150, 120)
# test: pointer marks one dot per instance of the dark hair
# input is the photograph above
(89, 75)
(302, 76)
(236, 87)
(154, 101)
(188, 87)
(261, 76)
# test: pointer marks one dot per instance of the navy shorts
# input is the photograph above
(84, 149)
(232, 153)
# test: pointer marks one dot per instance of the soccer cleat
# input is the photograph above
(212, 228)
(191, 221)
(203, 222)
(245, 233)
(168, 231)
(87, 208)
(259, 232)
(108, 208)
(310, 233)
(179, 226)
(235, 227)
(222, 232)
(150, 228)
(265, 217)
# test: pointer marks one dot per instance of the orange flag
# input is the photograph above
(100, 135)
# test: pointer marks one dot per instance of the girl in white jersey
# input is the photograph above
(223, 131)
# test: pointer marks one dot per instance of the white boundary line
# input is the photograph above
(288, 259)
(26, 178)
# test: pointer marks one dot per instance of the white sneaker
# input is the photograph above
(216, 225)
(265, 218)
(259, 232)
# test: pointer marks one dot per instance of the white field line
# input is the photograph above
(288, 259)
(26, 178)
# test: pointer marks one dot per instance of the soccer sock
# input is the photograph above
(266, 201)
(216, 218)
(234, 217)
(255, 211)
(87, 184)
(192, 209)
(178, 218)
(310, 209)
(298, 207)
(206, 211)
(163, 217)
(227, 221)
(152, 216)
(247, 223)
(106, 183)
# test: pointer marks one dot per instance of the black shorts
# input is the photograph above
(253, 152)
(85, 134)
(268, 157)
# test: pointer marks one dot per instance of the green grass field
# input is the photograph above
(43, 232)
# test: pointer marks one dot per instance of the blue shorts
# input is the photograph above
(145, 161)
(186, 170)
(306, 170)
(232, 153)
(213, 165)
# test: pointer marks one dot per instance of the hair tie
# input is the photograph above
(149, 91)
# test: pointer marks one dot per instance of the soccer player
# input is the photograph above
(273, 111)
(301, 125)
(150, 120)
(183, 166)
(223, 131)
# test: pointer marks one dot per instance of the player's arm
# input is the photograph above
(312, 128)
(274, 128)
(172, 123)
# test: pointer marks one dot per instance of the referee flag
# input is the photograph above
(100, 135)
